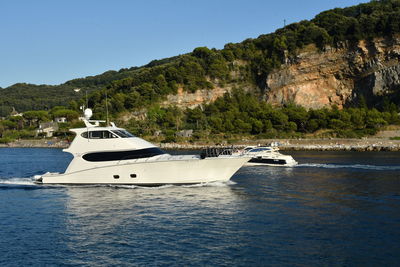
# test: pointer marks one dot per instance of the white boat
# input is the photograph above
(267, 155)
(112, 155)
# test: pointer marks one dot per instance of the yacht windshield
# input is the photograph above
(123, 133)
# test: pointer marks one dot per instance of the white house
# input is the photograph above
(184, 133)
(48, 128)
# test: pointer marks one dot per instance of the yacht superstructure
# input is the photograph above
(112, 155)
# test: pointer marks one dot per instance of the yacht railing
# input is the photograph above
(211, 152)
(158, 158)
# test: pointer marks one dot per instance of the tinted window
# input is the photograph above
(123, 133)
(98, 135)
(107, 134)
(123, 155)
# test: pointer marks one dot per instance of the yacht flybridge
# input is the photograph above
(112, 155)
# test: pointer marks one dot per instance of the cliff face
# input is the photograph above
(316, 79)
(184, 99)
(337, 76)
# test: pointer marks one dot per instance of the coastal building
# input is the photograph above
(47, 128)
(184, 133)
(15, 113)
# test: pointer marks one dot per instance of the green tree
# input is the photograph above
(70, 115)
(312, 125)
(257, 126)
(36, 116)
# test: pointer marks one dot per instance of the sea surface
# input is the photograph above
(333, 209)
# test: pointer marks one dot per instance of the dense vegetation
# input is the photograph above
(242, 114)
(25, 126)
(230, 117)
(25, 97)
(244, 64)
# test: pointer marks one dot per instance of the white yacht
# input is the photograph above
(112, 155)
(267, 155)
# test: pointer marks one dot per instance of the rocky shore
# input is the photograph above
(342, 145)
(309, 144)
(40, 143)
(367, 144)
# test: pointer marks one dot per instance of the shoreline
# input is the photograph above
(335, 144)
(370, 144)
(36, 143)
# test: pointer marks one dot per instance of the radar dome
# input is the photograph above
(88, 113)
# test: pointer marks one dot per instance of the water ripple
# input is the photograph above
(337, 210)
(351, 166)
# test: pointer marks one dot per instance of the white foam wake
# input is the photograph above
(17, 181)
(136, 186)
(30, 181)
(351, 166)
(210, 184)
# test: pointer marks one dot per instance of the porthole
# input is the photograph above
(116, 176)
(133, 175)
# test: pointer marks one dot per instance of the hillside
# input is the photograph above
(25, 97)
(340, 57)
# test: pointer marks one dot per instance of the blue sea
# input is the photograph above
(333, 209)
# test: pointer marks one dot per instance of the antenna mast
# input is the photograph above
(87, 102)
(106, 109)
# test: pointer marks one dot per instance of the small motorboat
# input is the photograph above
(267, 155)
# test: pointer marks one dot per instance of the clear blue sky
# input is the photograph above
(52, 41)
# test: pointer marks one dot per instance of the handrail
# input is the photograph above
(211, 152)
(158, 158)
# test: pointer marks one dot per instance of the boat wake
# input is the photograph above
(350, 166)
(29, 182)
(210, 184)
(17, 181)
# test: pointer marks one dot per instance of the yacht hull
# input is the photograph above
(191, 171)
(285, 161)
(270, 164)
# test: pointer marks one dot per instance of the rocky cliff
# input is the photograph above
(184, 99)
(316, 79)
(337, 76)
